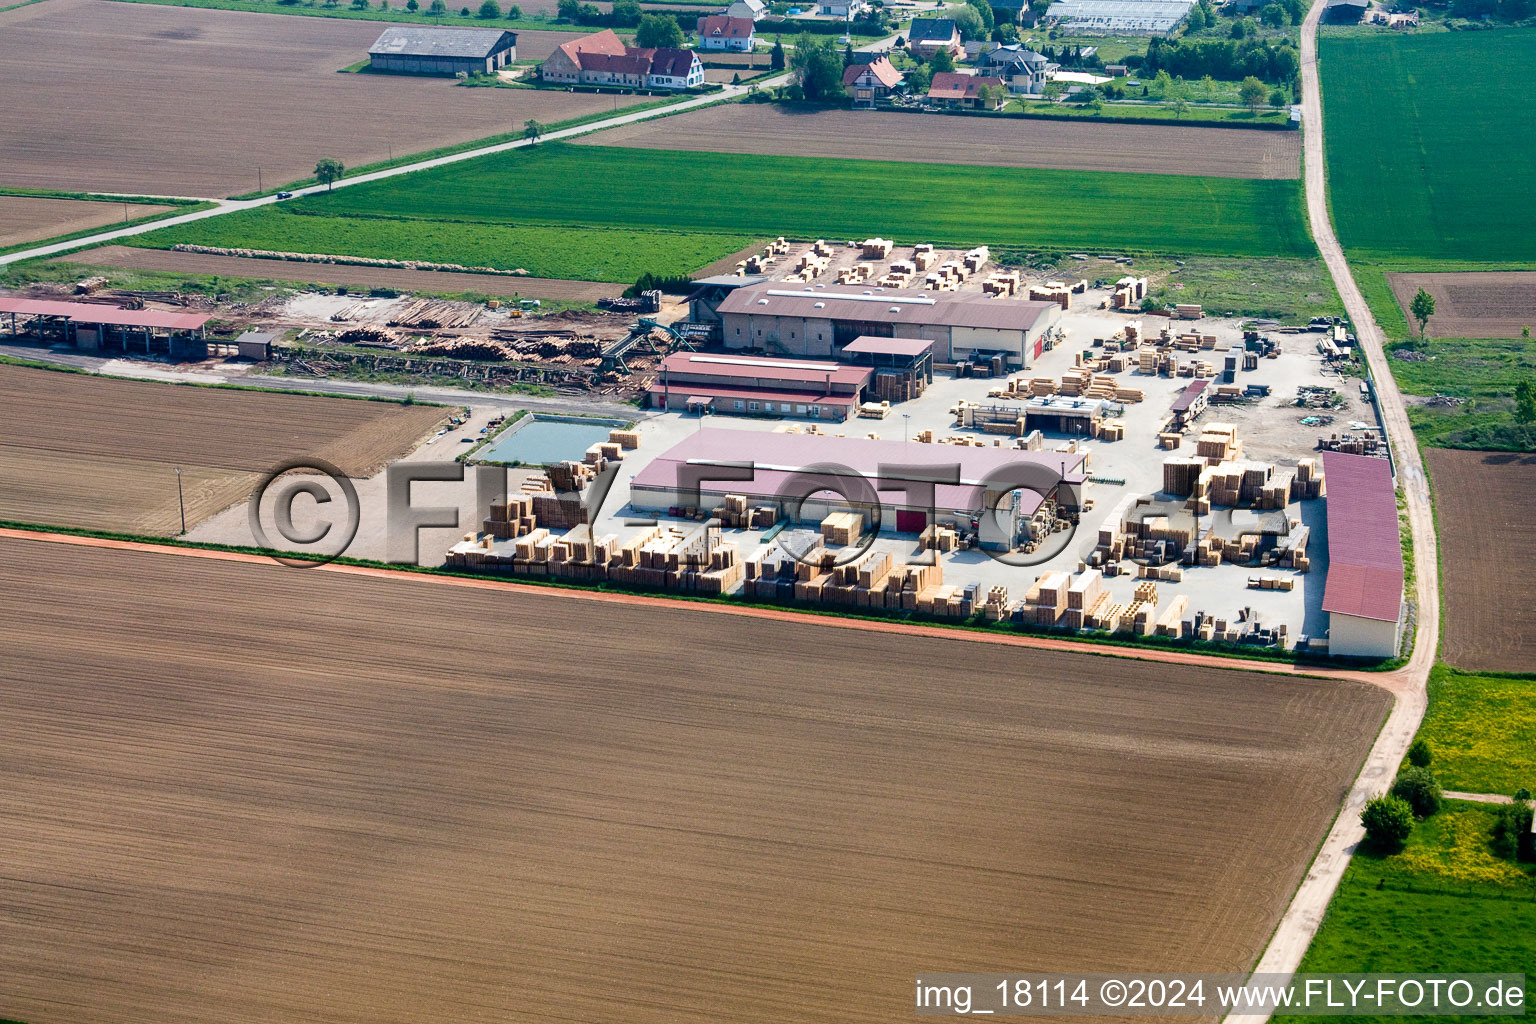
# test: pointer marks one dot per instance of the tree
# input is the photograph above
(987, 96)
(1196, 20)
(1388, 823)
(359, 5)
(1051, 91)
(1277, 97)
(626, 12)
(942, 60)
(1422, 307)
(329, 170)
(1272, 15)
(437, 8)
(1419, 788)
(1252, 92)
(984, 12)
(514, 13)
(532, 130)
(1005, 33)
(490, 10)
(1420, 754)
(463, 12)
(657, 31)
(568, 10)
(818, 68)
(1162, 84)
(969, 22)
(1525, 401)
(1525, 332)
(1239, 29)
(383, 5)
(1510, 823)
(1207, 86)
(776, 55)
(412, 6)
(918, 80)
(1179, 106)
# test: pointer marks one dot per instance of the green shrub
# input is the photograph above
(1388, 822)
(1419, 789)
(1420, 755)
(1511, 831)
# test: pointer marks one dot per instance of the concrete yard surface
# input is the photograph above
(936, 138)
(314, 799)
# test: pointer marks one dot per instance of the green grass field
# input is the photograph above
(1483, 731)
(763, 196)
(1443, 904)
(1430, 143)
(584, 254)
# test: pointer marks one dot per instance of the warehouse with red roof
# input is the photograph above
(1363, 595)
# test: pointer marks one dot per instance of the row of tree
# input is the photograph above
(1222, 58)
(1416, 794)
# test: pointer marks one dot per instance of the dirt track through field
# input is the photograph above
(1484, 503)
(335, 273)
(1004, 142)
(1472, 305)
(30, 219)
(102, 453)
(316, 803)
(140, 98)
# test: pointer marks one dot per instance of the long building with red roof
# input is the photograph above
(1363, 595)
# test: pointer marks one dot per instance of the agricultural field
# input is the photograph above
(1424, 159)
(33, 218)
(102, 453)
(449, 210)
(1472, 305)
(1445, 903)
(431, 837)
(1483, 731)
(419, 281)
(544, 250)
(1483, 502)
(537, 14)
(1016, 142)
(126, 97)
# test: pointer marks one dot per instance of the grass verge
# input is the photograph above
(1482, 728)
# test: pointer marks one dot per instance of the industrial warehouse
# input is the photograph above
(410, 50)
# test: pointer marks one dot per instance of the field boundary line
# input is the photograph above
(1380, 679)
(1299, 925)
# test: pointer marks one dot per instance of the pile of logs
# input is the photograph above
(430, 314)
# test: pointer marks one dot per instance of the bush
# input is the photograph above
(1522, 793)
(1510, 832)
(1420, 754)
(1419, 789)
(490, 10)
(1388, 823)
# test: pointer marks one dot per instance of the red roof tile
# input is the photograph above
(722, 26)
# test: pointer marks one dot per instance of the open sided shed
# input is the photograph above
(92, 326)
(416, 50)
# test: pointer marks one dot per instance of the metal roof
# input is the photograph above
(777, 458)
(801, 371)
(713, 391)
(1124, 15)
(1365, 549)
(968, 309)
(95, 313)
(1187, 396)
(866, 344)
(411, 41)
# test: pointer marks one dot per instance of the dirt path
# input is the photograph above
(343, 274)
(1482, 798)
(1305, 914)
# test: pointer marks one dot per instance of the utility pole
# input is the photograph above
(258, 180)
(180, 501)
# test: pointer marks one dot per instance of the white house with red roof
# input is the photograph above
(867, 83)
(723, 32)
(603, 59)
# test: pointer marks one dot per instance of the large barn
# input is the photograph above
(442, 51)
(1363, 595)
(818, 321)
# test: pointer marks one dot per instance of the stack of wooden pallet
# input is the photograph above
(1046, 600)
(939, 538)
(1308, 481)
(841, 529)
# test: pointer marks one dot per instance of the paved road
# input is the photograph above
(1305, 914)
(226, 206)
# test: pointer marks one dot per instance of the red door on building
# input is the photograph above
(911, 522)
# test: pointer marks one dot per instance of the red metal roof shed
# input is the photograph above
(1365, 553)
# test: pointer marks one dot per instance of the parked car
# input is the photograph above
(285, 195)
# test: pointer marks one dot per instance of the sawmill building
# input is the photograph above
(442, 51)
(821, 321)
(745, 386)
(1363, 595)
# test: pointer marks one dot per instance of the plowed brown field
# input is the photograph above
(30, 219)
(1484, 502)
(125, 97)
(1491, 304)
(241, 792)
(340, 273)
(102, 453)
(1001, 142)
